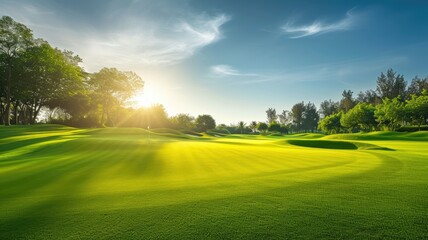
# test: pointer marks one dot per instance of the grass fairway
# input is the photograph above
(64, 183)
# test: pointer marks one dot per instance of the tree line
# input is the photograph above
(393, 105)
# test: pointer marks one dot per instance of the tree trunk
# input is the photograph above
(15, 112)
(7, 109)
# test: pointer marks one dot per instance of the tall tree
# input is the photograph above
(205, 122)
(391, 85)
(262, 127)
(297, 112)
(241, 126)
(347, 102)
(361, 117)
(183, 121)
(328, 107)
(271, 115)
(417, 86)
(391, 113)
(331, 123)
(370, 97)
(417, 108)
(113, 88)
(310, 117)
(49, 76)
(253, 126)
(14, 39)
(285, 118)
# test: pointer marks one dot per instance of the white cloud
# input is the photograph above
(338, 71)
(318, 27)
(119, 35)
(224, 70)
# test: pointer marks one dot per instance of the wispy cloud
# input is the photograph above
(318, 27)
(122, 35)
(343, 72)
(226, 70)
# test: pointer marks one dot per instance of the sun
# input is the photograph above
(144, 98)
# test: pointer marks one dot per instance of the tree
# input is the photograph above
(204, 123)
(347, 101)
(14, 39)
(391, 85)
(157, 117)
(271, 115)
(274, 127)
(262, 127)
(183, 121)
(112, 87)
(361, 117)
(48, 76)
(391, 113)
(253, 126)
(417, 86)
(310, 117)
(328, 107)
(417, 108)
(331, 123)
(370, 97)
(297, 113)
(241, 126)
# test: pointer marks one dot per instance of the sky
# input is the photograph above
(235, 59)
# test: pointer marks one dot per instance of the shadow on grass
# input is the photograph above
(323, 144)
(344, 145)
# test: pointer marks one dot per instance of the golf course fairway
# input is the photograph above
(59, 182)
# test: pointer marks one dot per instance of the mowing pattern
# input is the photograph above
(66, 183)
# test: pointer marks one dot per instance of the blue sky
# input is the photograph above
(235, 59)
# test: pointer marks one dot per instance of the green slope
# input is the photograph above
(65, 183)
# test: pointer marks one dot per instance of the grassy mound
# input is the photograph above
(308, 135)
(372, 136)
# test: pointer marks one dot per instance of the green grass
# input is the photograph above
(64, 183)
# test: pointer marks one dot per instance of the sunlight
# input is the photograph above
(144, 98)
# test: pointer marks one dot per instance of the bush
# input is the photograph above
(412, 128)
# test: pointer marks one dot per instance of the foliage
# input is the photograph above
(14, 39)
(297, 112)
(417, 109)
(310, 117)
(370, 97)
(253, 126)
(328, 107)
(347, 102)
(241, 126)
(361, 117)
(412, 128)
(417, 86)
(271, 115)
(274, 127)
(391, 85)
(183, 121)
(331, 124)
(111, 88)
(204, 123)
(391, 113)
(262, 127)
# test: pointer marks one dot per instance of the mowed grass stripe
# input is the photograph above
(123, 186)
